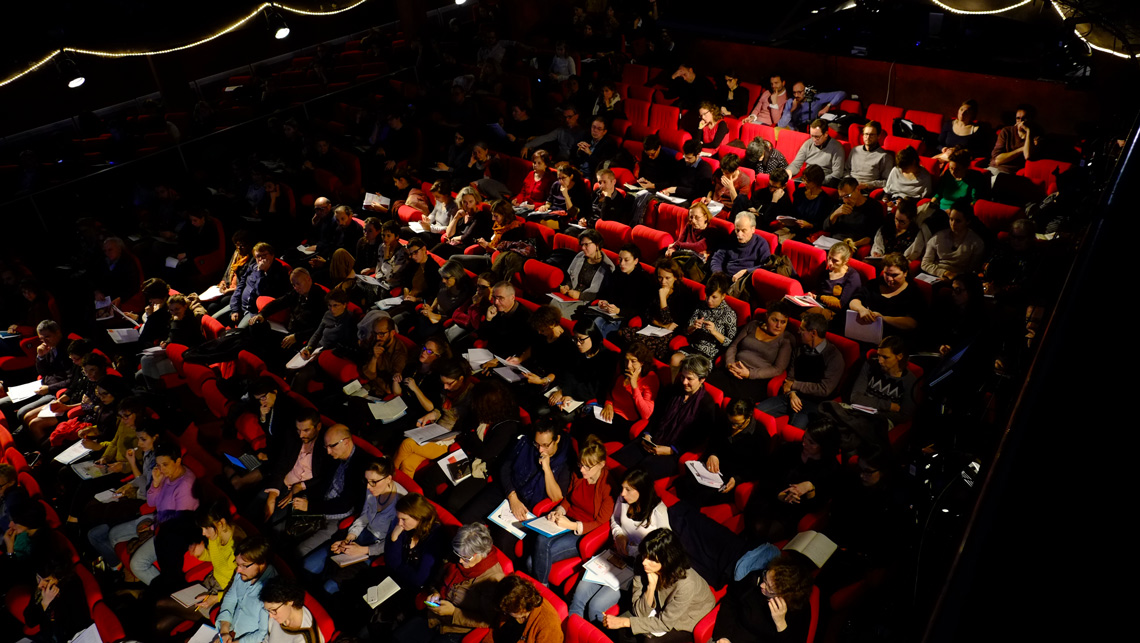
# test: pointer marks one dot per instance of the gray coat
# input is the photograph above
(679, 607)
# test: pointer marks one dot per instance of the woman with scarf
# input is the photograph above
(505, 227)
(681, 414)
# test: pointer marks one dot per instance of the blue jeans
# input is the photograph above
(592, 600)
(142, 563)
(548, 551)
(104, 538)
(780, 406)
(607, 325)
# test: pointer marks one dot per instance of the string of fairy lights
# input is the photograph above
(281, 30)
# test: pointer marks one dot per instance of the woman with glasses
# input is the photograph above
(368, 533)
(289, 620)
(464, 598)
(589, 270)
(737, 453)
(583, 375)
(588, 504)
(769, 605)
(892, 299)
(113, 461)
(712, 129)
(455, 289)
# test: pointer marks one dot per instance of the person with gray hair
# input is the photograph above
(747, 252)
(506, 328)
(53, 366)
(682, 412)
(465, 597)
(118, 277)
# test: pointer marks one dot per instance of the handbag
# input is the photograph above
(301, 526)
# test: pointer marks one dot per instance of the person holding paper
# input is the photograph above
(390, 255)
(637, 513)
(371, 246)
(53, 366)
(172, 495)
(455, 290)
(59, 606)
(88, 367)
(902, 233)
(453, 412)
(343, 236)
(838, 283)
(797, 481)
(814, 373)
(413, 554)
(266, 278)
(435, 222)
(118, 275)
(239, 261)
(713, 324)
(692, 245)
(681, 412)
(760, 351)
(769, 605)
(472, 221)
(589, 270)
(130, 497)
(587, 505)
(419, 278)
(957, 249)
(293, 461)
(669, 596)
(366, 536)
(113, 459)
(811, 207)
(892, 299)
(103, 420)
(290, 621)
(11, 494)
(242, 617)
(629, 292)
(630, 399)
(674, 303)
(737, 455)
(305, 307)
(334, 490)
(465, 597)
(536, 185)
(337, 330)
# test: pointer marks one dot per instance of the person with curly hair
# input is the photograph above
(769, 605)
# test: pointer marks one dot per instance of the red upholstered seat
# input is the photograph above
(789, 144)
(650, 242)
(885, 114)
(539, 278)
(997, 217)
(614, 234)
(749, 131)
(664, 117)
(930, 121)
(769, 286)
(806, 259)
(637, 111)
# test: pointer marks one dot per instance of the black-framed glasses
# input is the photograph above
(334, 444)
(373, 483)
(580, 340)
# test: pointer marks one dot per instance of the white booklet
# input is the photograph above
(930, 279)
(703, 475)
(670, 199)
(509, 374)
(46, 412)
(455, 464)
(123, 335)
(385, 304)
(211, 293)
(598, 415)
(418, 227)
(189, 597)
(389, 411)
(369, 279)
(715, 207)
(72, 453)
(344, 560)
(654, 331)
(814, 545)
(171, 262)
(503, 517)
(568, 408)
(477, 357)
(825, 242)
(299, 362)
(377, 594)
(89, 635)
(371, 198)
(871, 333)
(89, 470)
(305, 251)
(430, 433)
(205, 634)
(108, 496)
(607, 568)
(544, 526)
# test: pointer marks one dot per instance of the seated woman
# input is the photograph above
(24, 544)
(838, 283)
(587, 505)
(908, 178)
(902, 233)
(536, 185)
(472, 221)
(569, 198)
(760, 351)
(959, 315)
(185, 329)
(796, 482)
(537, 469)
(495, 427)
(691, 249)
(637, 513)
(733, 97)
(763, 157)
(669, 596)
(342, 276)
(505, 227)
(589, 270)
(769, 605)
(59, 606)
(608, 103)
(171, 493)
(100, 422)
(884, 384)
(470, 313)
(812, 207)
(337, 332)
(675, 302)
(892, 299)
(729, 182)
(583, 376)
(965, 132)
(957, 182)
(455, 289)
(629, 399)
(367, 535)
(738, 454)
(88, 367)
(416, 547)
(524, 616)
(452, 412)
(680, 412)
(464, 599)
(289, 620)
(955, 250)
(550, 348)
(712, 325)
(628, 294)
(441, 215)
(711, 129)
(113, 460)
(239, 260)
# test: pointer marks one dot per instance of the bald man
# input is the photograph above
(337, 491)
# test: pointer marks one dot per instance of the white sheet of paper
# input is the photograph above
(607, 568)
(277, 327)
(102, 303)
(344, 560)
(72, 453)
(386, 412)
(123, 335)
(703, 475)
(826, 242)
(305, 251)
(299, 362)
(171, 262)
(368, 279)
(503, 517)
(417, 227)
(454, 456)
(424, 434)
(205, 634)
(212, 293)
(546, 526)
(189, 596)
(377, 594)
(670, 199)
(23, 391)
(870, 410)
(598, 415)
(385, 304)
(46, 412)
(715, 207)
(354, 389)
(871, 333)
(89, 635)
(107, 496)
(509, 374)
(477, 357)
(930, 279)
(654, 331)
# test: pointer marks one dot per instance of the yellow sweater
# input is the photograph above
(115, 450)
(222, 558)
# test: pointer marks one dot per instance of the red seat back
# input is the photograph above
(671, 218)
(997, 217)
(539, 278)
(789, 144)
(769, 286)
(566, 242)
(806, 259)
(897, 143)
(637, 111)
(866, 271)
(930, 121)
(885, 114)
(614, 234)
(650, 242)
(321, 617)
(579, 630)
(749, 131)
(663, 117)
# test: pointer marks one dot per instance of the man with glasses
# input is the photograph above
(870, 164)
(296, 462)
(266, 278)
(334, 491)
(857, 218)
(567, 136)
(821, 150)
(305, 306)
(594, 148)
(803, 111)
(388, 358)
(242, 617)
(419, 278)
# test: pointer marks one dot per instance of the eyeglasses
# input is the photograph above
(427, 351)
(380, 333)
(334, 444)
(846, 196)
(539, 445)
(373, 483)
(462, 558)
(273, 610)
(580, 340)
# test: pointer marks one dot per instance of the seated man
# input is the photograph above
(275, 414)
(267, 278)
(771, 105)
(344, 234)
(821, 150)
(117, 277)
(730, 183)
(813, 376)
(419, 278)
(869, 163)
(242, 617)
(747, 252)
(336, 491)
(566, 136)
(694, 177)
(857, 218)
(611, 203)
(776, 201)
(594, 148)
(803, 111)
(689, 89)
(306, 307)
(297, 463)
(1015, 143)
(506, 328)
(657, 171)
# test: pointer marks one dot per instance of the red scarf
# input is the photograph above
(457, 573)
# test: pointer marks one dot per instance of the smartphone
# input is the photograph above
(431, 602)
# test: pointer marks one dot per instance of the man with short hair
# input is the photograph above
(388, 358)
(611, 203)
(858, 216)
(594, 148)
(296, 465)
(53, 366)
(775, 201)
(770, 107)
(335, 490)
(345, 233)
(117, 276)
(802, 111)
(506, 329)
(747, 253)
(694, 177)
(689, 89)
(419, 277)
(730, 183)
(306, 307)
(266, 278)
(1015, 143)
(821, 150)
(242, 618)
(869, 163)
(813, 375)
(567, 136)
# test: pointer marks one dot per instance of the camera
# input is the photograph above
(809, 93)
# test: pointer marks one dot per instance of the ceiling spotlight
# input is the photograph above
(69, 70)
(460, 1)
(277, 23)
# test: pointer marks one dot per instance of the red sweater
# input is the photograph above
(634, 405)
(535, 192)
(589, 504)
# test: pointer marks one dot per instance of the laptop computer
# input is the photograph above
(246, 461)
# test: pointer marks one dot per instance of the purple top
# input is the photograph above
(173, 496)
